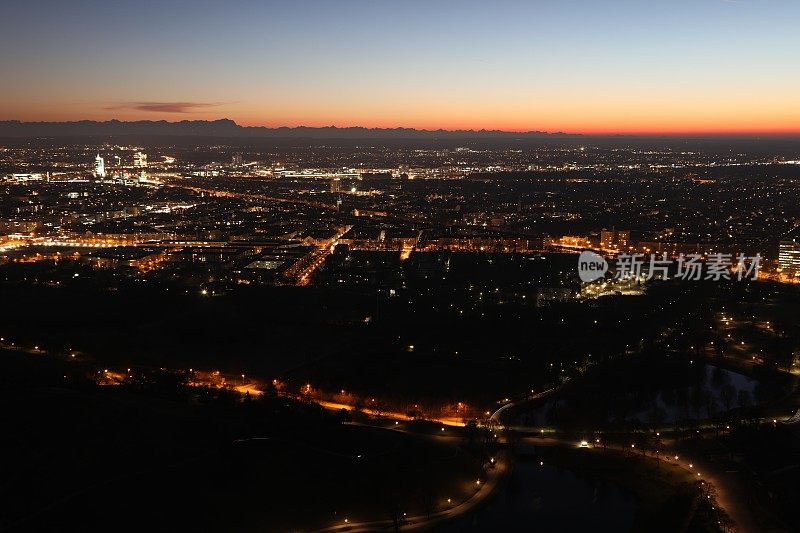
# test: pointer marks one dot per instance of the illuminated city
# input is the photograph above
(308, 309)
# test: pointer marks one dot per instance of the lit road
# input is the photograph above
(539, 395)
(731, 495)
(302, 274)
(334, 406)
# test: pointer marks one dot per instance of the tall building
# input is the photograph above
(613, 240)
(623, 239)
(237, 160)
(140, 159)
(99, 167)
(335, 185)
(789, 257)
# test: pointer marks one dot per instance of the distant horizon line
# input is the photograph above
(424, 130)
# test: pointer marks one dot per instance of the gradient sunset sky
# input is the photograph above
(583, 66)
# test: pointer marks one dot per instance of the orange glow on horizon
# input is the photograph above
(600, 130)
(610, 119)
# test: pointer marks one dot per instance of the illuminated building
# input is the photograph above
(614, 240)
(570, 241)
(22, 178)
(789, 257)
(99, 167)
(606, 239)
(139, 159)
(623, 239)
(335, 184)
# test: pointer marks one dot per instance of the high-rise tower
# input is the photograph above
(99, 167)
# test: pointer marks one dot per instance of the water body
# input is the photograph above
(546, 498)
(541, 416)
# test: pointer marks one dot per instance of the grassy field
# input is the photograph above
(280, 486)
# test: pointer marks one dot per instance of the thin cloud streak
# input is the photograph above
(165, 107)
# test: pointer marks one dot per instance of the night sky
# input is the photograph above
(590, 66)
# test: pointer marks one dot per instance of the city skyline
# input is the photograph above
(458, 266)
(710, 67)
